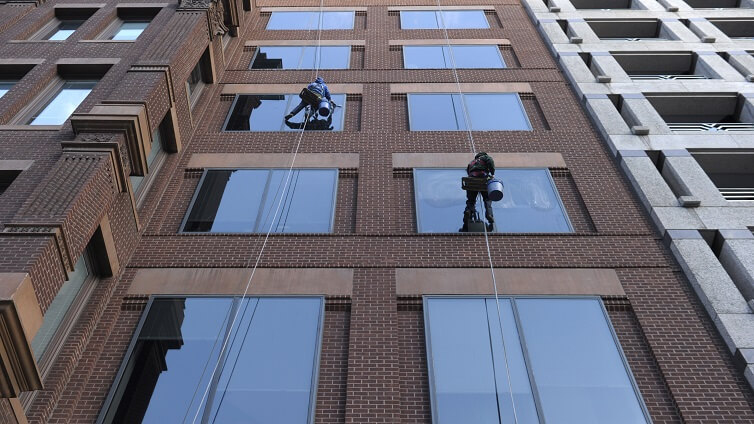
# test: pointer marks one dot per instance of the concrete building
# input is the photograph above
(172, 251)
(669, 86)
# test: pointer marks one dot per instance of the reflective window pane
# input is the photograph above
(438, 57)
(266, 112)
(531, 203)
(130, 30)
(5, 87)
(570, 355)
(580, 375)
(265, 374)
(64, 30)
(310, 20)
(452, 19)
(302, 57)
(63, 104)
(245, 200)
(487, 111)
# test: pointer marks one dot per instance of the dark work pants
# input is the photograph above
(298, 108)
(471, 204)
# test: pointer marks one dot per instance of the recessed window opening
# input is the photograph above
(531, 203)
(310, 20)
(560, 357)
(703, 113)
(487, 112)
(7, 176)
(663, 66)
(602, 4)
(198, 78)
(713, 4)
(267, 374)
(628, 30)
(265, 112)
(464, 56)
(66, 21)
(302, 57)
(736, 28)
(161, 137)
(62, 103)
(245, 201)
(450, 19)
(10, 75)
(130, 23)
(732, 172)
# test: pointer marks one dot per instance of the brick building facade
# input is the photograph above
(118, 183)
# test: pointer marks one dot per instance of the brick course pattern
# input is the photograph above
(373, 363)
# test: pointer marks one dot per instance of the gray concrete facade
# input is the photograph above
(670, 88)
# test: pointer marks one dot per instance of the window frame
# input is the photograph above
(52, 27)
(288, 107)
(8, 81)
(153, 168)
(115, 26)
(236, 299)
(204, 175)
(452, 46)
(352, 28)
(193, 95)
(45, 97)
(552, 184)
(259, 48)
(441, 19)
(524, 349)
(465, 110)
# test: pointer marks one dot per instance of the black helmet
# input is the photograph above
(480, 154)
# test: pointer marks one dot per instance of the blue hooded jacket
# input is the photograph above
(320, 87)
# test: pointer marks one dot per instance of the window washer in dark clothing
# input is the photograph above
(314, 124)
(317, 86)
(483, 166)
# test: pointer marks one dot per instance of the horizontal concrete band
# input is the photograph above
(287, 88)
(15, 165)
(232, 281)
(273, 160)
(312, 9)
(466, 87)
(510, 281)
(254, 43)
(444, 7)
(460, 160)
(442, 41)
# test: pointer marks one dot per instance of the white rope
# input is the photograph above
(264, 243)
(472, 145)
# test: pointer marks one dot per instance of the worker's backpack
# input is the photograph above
(479, 167)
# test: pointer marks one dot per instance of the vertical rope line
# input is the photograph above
(470, 136)
(264, 243)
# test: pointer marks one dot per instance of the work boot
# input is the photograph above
(490, 227)
(288, 116)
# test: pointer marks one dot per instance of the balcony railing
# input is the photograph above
(633, 39)
(667, 77)
(737, 194)
(688, 127)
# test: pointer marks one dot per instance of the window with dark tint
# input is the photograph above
(438, 57)
(198, 77)
(7, 177)
(154, 159)
(62, 103)
(311, 20)
(450, 19)
(487, 112)
(559, 357)
(246, 200)
(531, 203)
(265, 112)
(66, 21)
(302, 57)
(265, 374)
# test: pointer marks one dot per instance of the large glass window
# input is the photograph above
(302, 57)
(265, 374)
(560, 359)
(245, 201)
(452, 19)
(530, 205)
(311, 20)
(487, 112)
(129, 30)
(438, 57)
(265, 112)
(63, 29)
(63, 103)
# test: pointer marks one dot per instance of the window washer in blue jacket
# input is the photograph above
(319, 87)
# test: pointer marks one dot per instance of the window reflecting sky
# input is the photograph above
(487, 112)
(302, 57)
(453, 19)
(530, 204)
(266, 112)
(64, 30)
(439, 57)
(5, 87)
(310, 20)
(130, 30)
(64, 103)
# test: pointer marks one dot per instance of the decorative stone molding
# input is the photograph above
(20, 319)
(219, 15)
(129, 119)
